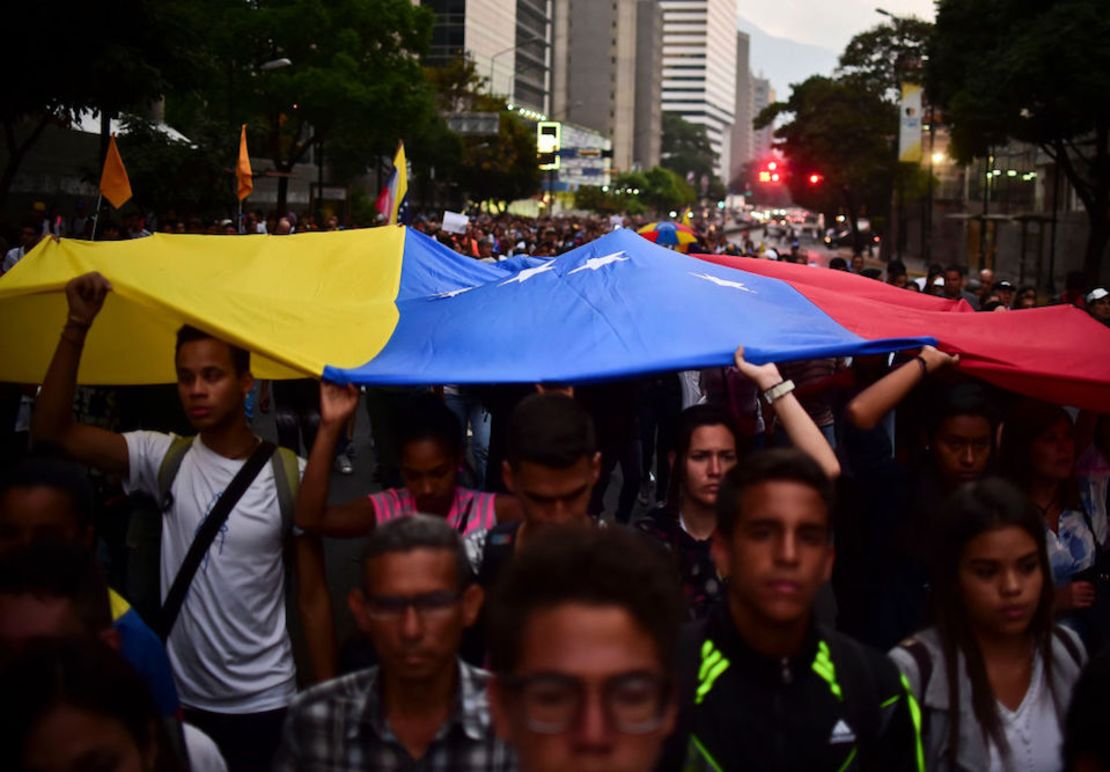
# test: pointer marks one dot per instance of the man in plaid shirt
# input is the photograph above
(422, 708)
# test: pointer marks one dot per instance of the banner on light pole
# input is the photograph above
(909, 135)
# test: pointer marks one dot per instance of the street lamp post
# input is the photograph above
(530, 39)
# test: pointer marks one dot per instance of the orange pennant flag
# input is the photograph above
(243, 169)
(114, 184)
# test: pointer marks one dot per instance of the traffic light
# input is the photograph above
(816, 179)
(770, 173)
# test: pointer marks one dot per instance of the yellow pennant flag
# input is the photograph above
(400, 187)
(243, 169)
(686, 218)
(114, 184)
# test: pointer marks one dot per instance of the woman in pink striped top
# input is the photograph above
(431, 456)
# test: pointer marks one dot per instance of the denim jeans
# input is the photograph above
(470, 411)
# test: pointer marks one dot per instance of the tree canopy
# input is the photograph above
(882, 58)
(842, 132)
(686, 148)
(102, 57)
(354, 75)
(1036, 73)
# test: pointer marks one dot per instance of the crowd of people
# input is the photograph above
(874, 563)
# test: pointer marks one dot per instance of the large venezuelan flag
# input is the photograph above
(391, 306)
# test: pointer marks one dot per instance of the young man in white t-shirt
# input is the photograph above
(230, 652)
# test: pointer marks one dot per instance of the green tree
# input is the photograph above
(108, 57)
(882, 58)
(1036, 73)
(842, 131)
(666, 190)
(504, 168)
(354, 76)
(498, 168)
(686, 148)
(167, 174)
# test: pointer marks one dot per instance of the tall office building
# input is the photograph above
(532, 85)
(595, 70)
(762, 95)
(648, 131)
(508, 40)
(699, 68)
(742, 132)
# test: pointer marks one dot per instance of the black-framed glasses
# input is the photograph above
(551, 703)
(428, 604)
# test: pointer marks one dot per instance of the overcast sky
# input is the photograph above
(829, 25)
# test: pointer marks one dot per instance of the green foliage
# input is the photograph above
(881, 58)
(686, 147)
(91, 56)
(660, 190)
(169, 175)
(501, 168)
(354, 83)
(504, 168)
(842, 131)
(1036, 73)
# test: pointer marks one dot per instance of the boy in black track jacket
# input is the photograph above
(762, 686)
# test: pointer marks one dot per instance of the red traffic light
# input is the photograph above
(772, 166)
(815, 179)
(775, 177)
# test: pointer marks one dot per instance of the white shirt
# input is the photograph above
(14, 255)
(204, 754)
(1032, 731)
(229, 649)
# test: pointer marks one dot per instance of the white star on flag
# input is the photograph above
(528, 273)
(722, 282)
(453, 293)
(594, 263)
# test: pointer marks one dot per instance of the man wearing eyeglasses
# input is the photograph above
(583, 630)
(422, 707)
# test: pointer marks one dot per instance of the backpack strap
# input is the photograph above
(924, 661)
(287, 480)
(1068, 642)
(170, 466)
(206, 534)
(497, 552)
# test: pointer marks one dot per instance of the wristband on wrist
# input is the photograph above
(778, 391)
(73, 339)
(924, 365)
(73, 321)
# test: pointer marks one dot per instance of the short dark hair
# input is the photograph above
(955, 268)
(84, 674)
(240, 357)
(895, 268)
(786, 464)
(969, 399)
(871, 273)
(46, 470)
(413, 532)
(425, 417)
(551, 430)
(62, 571)
(838, 264)
(591, 566)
